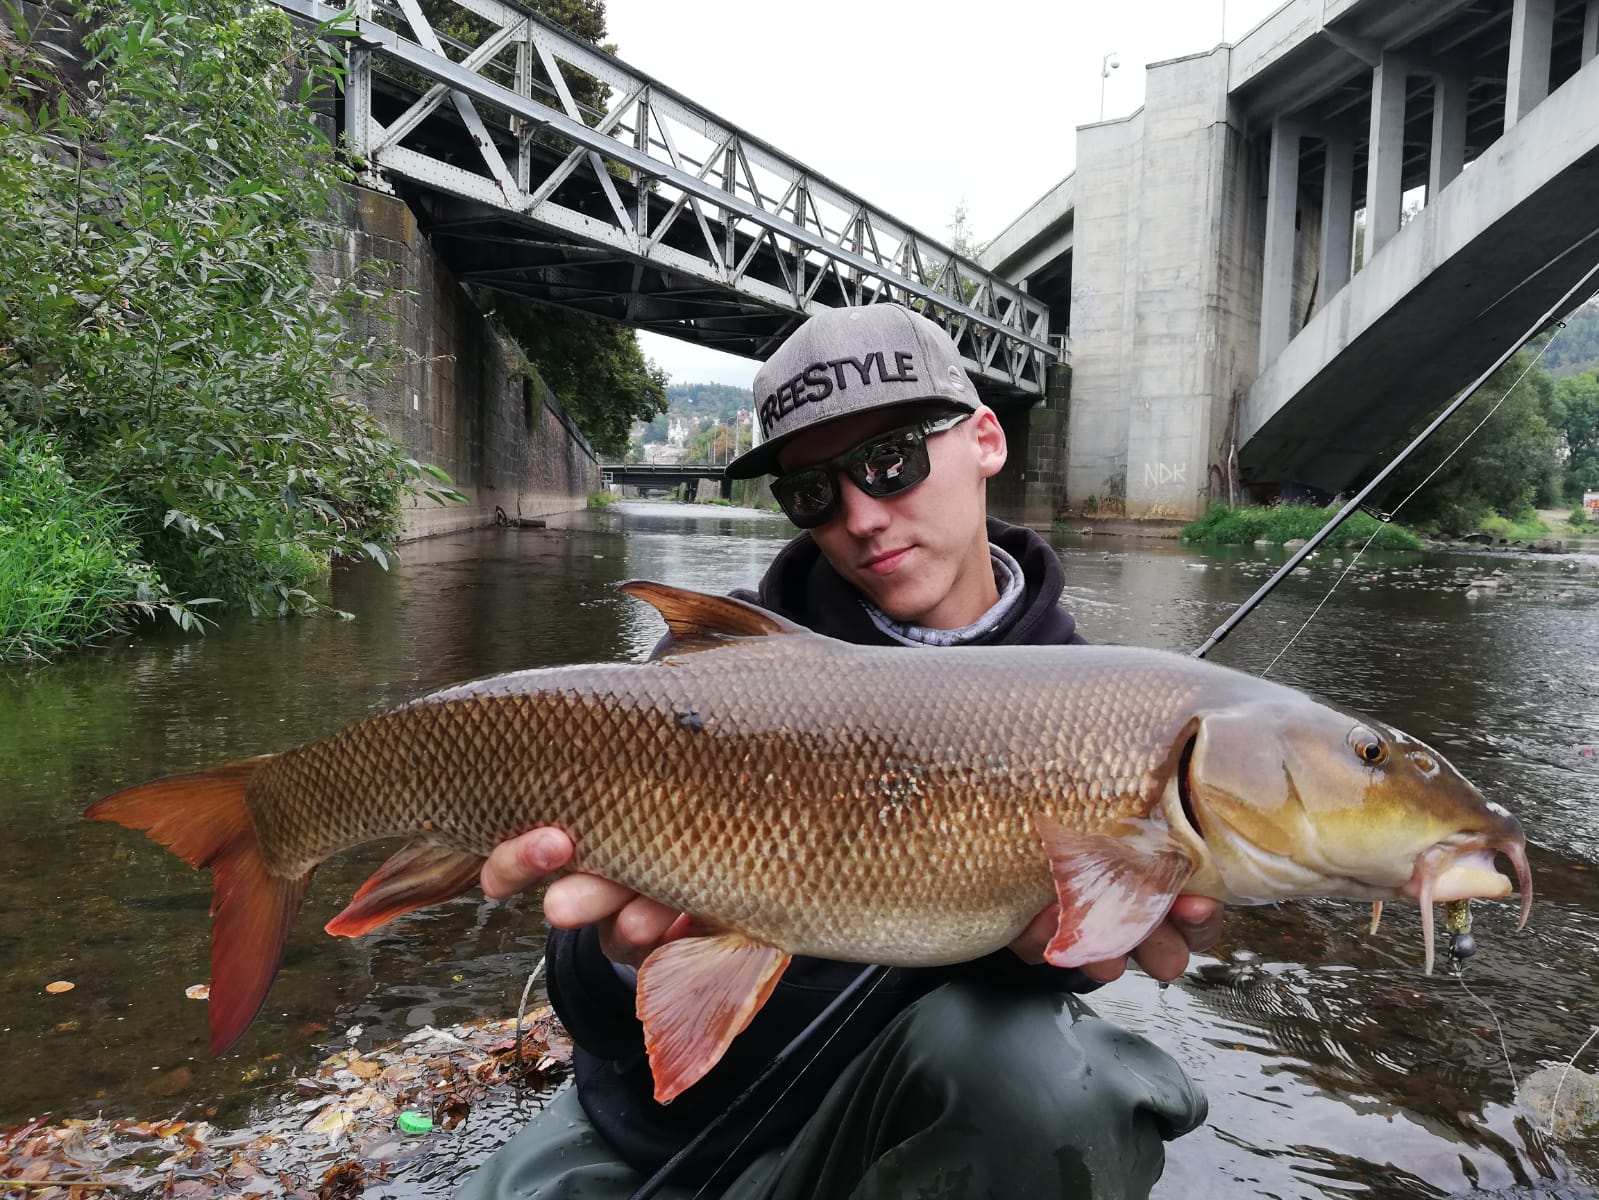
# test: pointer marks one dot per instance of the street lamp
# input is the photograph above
(1106, 65)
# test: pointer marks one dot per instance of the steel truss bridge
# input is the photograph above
(649, 210)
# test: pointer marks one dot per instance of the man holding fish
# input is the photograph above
(990, 1079)
(818, 797)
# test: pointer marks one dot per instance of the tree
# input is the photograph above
(595, 369)
(1509, 464)
(1579, 398)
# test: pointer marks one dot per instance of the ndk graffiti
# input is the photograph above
(1159, 474)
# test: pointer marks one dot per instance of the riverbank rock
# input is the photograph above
(1478, 539)
(1293, 543)
(1547, 546)
(1565, 1099)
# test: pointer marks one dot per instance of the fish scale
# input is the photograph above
(799, 795)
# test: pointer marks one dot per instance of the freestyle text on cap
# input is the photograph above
(848, 360)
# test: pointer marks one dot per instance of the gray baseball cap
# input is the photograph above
(849, 360)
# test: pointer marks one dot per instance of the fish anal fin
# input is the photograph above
(1113, 891)
(202, 818)
(695, 995)
(417, 875)
(699, 620)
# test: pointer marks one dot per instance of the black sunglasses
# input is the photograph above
(885, 464)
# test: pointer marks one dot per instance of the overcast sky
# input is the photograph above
(915, 105)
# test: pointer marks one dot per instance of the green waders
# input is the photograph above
(970, 1094)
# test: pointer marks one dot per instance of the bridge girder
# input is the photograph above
(653, 212)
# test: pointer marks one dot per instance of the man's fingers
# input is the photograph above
(518, 864)
(637, 929)
(580, 900)
(1164, 953)
(1198, 919)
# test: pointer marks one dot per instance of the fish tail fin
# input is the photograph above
(202, 818)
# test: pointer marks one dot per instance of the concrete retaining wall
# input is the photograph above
(460, 401)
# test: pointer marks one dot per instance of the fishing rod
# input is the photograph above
(871, 974)
(868, 977)
(1322, 534)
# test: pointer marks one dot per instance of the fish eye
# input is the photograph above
(1368, 745)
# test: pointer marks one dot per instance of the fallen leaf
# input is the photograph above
(343, 1182)
(68, 1027)
(170, 1083)
(365, 1069)
(59, 986)
(198, 991)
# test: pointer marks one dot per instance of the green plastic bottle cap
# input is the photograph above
(415, 1122)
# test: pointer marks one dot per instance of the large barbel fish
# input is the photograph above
(799, 795)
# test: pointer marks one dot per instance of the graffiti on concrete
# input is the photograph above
(1160, 474)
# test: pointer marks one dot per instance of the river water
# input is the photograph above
(1333, 1065)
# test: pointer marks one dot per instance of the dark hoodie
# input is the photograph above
(595, 1000)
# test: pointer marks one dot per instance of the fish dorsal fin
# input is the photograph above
(695, 995)
(699, 620)
(1113, 890)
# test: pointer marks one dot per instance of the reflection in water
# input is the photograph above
(1334, 1067)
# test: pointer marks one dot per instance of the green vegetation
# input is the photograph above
(1578, 417)
(595, 369)
(1225, 524)
(68, 562)
(164, 334)
(1577, 348)
(602, 499)
(1524, 529)
(1511, 465)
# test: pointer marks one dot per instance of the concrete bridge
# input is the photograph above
(1304, 241)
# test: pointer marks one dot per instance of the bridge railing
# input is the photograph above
(645, 172)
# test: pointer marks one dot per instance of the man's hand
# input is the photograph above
(1194, 923)
(630, 925)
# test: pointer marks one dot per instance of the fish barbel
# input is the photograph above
(799, 795)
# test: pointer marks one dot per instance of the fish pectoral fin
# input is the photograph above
(419, 874)
(695, 995)
(1113, 890)
(701, 621)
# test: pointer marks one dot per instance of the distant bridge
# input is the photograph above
(664, 476)
(653, 212)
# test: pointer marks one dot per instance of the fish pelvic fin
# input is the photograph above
(202, 818)
(1113, 891)
(700, 621)
(695, 995)
(419, 874)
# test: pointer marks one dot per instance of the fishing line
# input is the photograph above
(1554, 1105)
(868, 980)
(1504, 1046)
(1509, 391)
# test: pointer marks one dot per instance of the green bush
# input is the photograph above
(602, 499)
(1230, 525)
(69, 567)
(1521, 529)
(163, 325)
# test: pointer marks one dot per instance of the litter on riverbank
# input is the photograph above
(354, 1123)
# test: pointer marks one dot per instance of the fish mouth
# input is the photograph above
(1462, 868)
